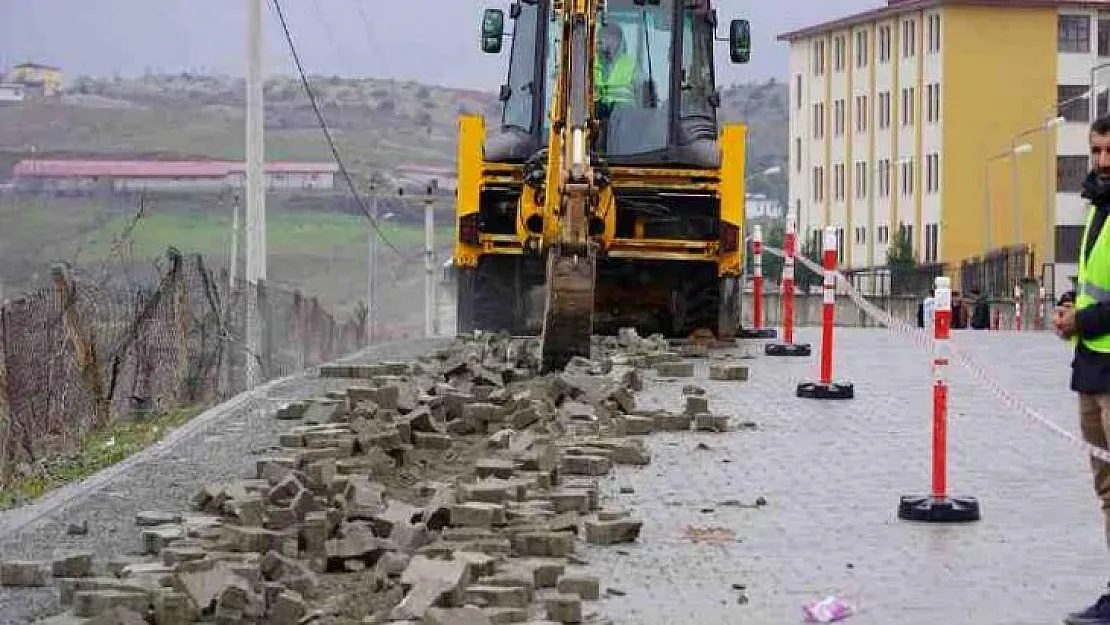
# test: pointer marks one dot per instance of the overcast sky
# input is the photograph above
(434, 41)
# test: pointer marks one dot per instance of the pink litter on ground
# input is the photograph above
(827, 610)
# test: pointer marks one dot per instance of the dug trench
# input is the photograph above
(450, 490)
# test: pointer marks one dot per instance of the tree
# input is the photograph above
(901, 261)
(805, 277)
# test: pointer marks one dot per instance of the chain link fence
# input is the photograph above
(81, 351)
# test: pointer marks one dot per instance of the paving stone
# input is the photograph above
(611, 532)
(585, 586)
(675, 369)
(706, 422)
(90, 603)
(24, 573)
(564, 608)
(478, 514)
(73, 565)
(728, 372)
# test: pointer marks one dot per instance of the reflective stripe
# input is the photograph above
(1096, 293)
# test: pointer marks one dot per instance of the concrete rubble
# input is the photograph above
(451, 490)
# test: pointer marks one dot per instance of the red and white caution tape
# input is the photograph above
(924, 340)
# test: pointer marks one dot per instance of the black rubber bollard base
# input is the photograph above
(929, 509)
(760, 333)
(787, 349)
(835, 390)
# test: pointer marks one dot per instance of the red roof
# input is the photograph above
(895, 7)
(155, 169)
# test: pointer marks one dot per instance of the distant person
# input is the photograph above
(980, 311)
(959, 311)
(1085, 322)
(926, 310)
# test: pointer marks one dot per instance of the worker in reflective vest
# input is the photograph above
(614, 75)
(614, 70)
(1086, 323)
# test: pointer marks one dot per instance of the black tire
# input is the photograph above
(700, 301)
(497, 298)
(464, 300)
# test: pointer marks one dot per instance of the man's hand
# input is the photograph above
(1063, 320)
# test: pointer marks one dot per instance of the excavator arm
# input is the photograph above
(572, 190)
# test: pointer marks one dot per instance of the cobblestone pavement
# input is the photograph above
(832, 474)
(224, 450)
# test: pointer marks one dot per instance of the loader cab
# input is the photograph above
(669, 115)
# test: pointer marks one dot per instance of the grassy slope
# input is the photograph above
(321, 253)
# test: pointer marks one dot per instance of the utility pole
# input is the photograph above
(255, 190)
(429, 264)
(233, 271)
(371, 263)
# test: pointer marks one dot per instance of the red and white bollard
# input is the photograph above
(825, 388)
(938, 506)
(788, 347)
(757, 331)
(1038, 318)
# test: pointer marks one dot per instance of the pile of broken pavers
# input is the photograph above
(493, 546)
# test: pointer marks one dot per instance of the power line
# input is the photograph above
(327, 133)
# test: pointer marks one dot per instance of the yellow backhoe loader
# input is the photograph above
(609, 196)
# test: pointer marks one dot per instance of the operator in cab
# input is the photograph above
(614, 75)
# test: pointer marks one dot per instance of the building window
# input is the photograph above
(861, 113)
(882, 234)
(909, 38)
(861, 235)
(840, 112)
(818, 120)
(908, 102)
(798, 91)
(798, 153)
(838, 181)
(1073, 33)
(1070, 172)
(819, 183)
(838, 53)
(1076, 108)
(932, 103)
(932, 173)
(907, 178)
(883, 174)
(840, 245)
(884, 109)
(819, 57)
(861, 179)
(932, 243)
(1103, 36)
(934, 33)
(1067, 243)
(861, 48)
(884, 44)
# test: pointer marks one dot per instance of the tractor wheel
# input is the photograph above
(698, 303)
(464, 300)
(497, 295)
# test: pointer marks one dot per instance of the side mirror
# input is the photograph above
(493, 30)
(740, 41)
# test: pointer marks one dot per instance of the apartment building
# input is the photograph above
(909, 114)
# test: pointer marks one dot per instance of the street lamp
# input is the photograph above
(1014, 151)
(1093, 92)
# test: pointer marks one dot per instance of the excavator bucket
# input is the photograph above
(568, 311)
